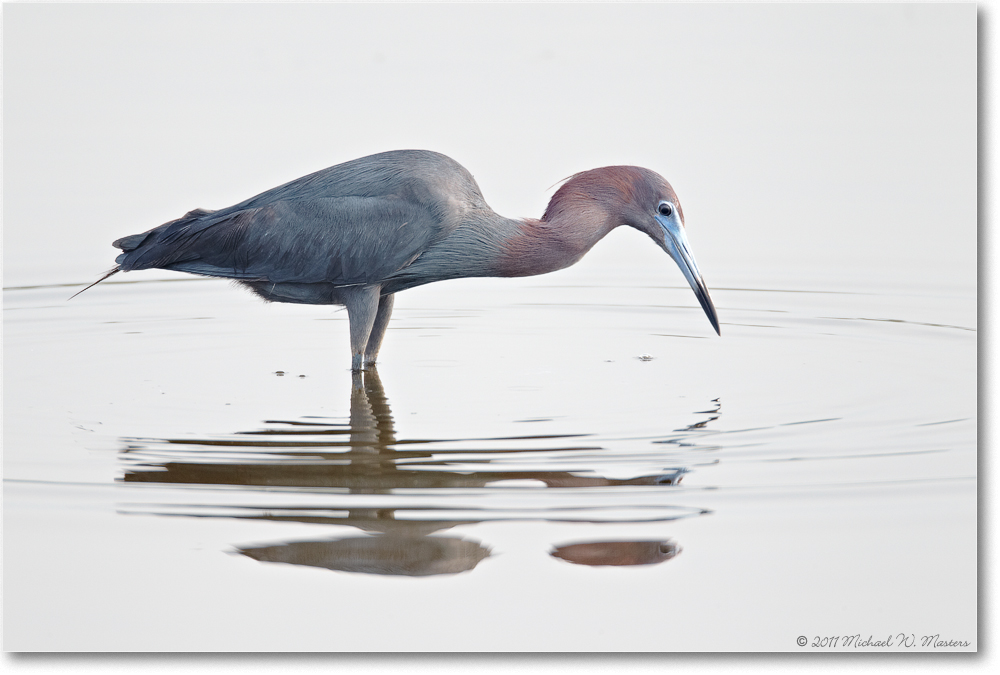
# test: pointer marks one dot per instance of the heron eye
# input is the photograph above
(665, 209)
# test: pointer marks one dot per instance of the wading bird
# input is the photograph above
(357, 233)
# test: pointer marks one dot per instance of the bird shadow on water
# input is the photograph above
(403, 493)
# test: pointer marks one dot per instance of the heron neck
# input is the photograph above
(547, 245)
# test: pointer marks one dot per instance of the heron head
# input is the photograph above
(653, 208)
(639, 198)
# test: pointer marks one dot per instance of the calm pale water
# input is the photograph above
(568, 462)
(536, 465)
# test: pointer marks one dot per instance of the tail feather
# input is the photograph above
(114, 270)
(131, 242)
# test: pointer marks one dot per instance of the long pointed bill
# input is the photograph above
(676, 245)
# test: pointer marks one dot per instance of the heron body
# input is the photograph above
(357, 233)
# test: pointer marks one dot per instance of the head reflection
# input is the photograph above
(598, 553)
(404, 494)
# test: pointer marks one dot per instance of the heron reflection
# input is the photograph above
(403, 494)
(365, 457)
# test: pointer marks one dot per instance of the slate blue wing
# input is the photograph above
(340, 240)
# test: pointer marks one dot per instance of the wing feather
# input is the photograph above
(343, 240)
(357, 222)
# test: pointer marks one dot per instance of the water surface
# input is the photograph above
(552, 463)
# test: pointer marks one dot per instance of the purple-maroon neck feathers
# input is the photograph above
(582, 212)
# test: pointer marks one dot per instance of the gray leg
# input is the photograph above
(362, 304)
(378, 329)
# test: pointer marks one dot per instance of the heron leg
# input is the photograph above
(378, 329)
(362, 304)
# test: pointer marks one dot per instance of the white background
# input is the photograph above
(792, 133)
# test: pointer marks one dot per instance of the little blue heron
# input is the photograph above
(357, 233)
